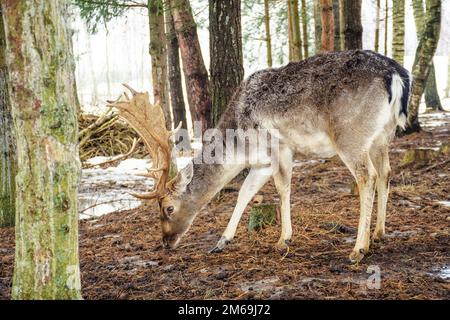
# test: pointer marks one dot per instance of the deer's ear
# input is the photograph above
(183, 178)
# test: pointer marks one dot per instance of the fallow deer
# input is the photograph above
(341, 103)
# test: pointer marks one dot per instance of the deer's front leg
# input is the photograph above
(256, 178)
(282, 178)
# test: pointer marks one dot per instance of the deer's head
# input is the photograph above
(148, 121)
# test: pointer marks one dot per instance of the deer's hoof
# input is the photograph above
(357, 255)
(221, 244)
(282, 246)
(377, 236)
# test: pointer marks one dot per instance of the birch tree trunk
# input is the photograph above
(268, 36)
(386, 24)
(225, 47)
(327, 18)
(296, 38)
(424, 56)
(377, 27)
(196, 76)
(158, 55)
(7, 145)
(317, 27)
(432, 100)
(43, 107)
(305, 30)
(350, 24)
(398, 30)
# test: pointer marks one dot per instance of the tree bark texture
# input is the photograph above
(424, 56)
(305, 30)
(432, 100)
(196, 76)
(317, 27)
(350, 24)
(337, 35)
(398, 29)
(296, 38)
(43, 105)
(158, 54)
(327, 18)
(268, 35)
(7, 142)
(225, 47)
(377, 26)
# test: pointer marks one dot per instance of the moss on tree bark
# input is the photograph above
(43, 107)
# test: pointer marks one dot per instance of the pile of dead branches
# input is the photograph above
(108, 136)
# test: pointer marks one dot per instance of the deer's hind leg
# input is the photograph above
(365, 175)
(282, 178)
(380, 159)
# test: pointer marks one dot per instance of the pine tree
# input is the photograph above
(377, 26)
(326, 8)
(350, 24)
(43, 104)
(317, 27)
(295, 43)
(268, 35)
(225, 47)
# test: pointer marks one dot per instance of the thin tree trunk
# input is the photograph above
(342, 24)
(432, 100)
(175, 82)
(94, 89)
(7, 145)
(424, 55)
(225, 47)
(108, 78)
(43, 106)
(351, 28)
(377, 27)
(296, 38)
(196, 76)
(317, 27)
(398, 30)
(326, 7)
(268, 36)
(386, 24)
(158, 55)
(337, 36)
(305, 30)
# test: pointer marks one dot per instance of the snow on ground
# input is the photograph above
(107, 190)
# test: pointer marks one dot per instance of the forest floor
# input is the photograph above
(121, 256)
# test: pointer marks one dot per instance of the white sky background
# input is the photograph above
(126, 41)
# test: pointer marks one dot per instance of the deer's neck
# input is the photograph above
(207, 181)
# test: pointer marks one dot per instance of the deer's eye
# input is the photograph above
(169, 210)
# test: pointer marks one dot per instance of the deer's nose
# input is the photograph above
(170, 242)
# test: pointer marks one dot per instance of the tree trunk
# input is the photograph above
(424, 55)
(225, 47)
(337, 36)
(432, 100)
(175, 82)
(317, 27)
(377, 27)
(305, 30)
(398, 29)
(351, 28)
(268, 36)
(386, 23)
(7, 146)
(43, 107)
(327, 19)
(158, 55)
(296, 38)
(195, 73)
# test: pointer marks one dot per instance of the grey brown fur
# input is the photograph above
(345, 103)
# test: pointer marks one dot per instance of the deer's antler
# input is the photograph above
(148, 121)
